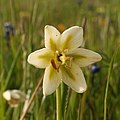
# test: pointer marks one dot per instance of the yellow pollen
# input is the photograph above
(63, 58)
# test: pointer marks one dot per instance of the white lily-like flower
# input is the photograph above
(63, 58)
(14, 97)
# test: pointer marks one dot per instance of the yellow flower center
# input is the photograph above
(61, 59)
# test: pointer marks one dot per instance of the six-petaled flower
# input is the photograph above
(63, 58)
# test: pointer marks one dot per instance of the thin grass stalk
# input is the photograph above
(23, 37)
(2, 107)
(31, 99)
(12, 67)
(12, 8)
(35, 10)
(58, 103)
(107, 84)
(67, 102)
(83, 101)
(43, 100)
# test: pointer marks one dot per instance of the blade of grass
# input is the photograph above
(12, 66)
(12, 8)
(67, 102)
(84, 97)
(2, 109)
(107, 84)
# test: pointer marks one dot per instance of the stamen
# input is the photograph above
(62, 59)
(54, 65)
(58, 56)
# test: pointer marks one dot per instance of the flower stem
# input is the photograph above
(58, 103)
(31, 99)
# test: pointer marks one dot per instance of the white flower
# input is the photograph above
(62, 59)
(14, 97)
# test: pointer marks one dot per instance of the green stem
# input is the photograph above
(107, 84)
(83, 101)
(58, 103)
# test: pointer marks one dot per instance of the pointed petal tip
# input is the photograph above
(82, 89)
(76, 27)
(28, 59)
(98, 57)
(47, 26)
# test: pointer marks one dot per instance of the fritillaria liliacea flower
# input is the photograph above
(14, 97)
(63, 58)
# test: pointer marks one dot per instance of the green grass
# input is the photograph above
(102, 34)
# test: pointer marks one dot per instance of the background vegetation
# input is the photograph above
(102, 34)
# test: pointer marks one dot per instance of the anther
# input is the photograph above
(54, 65)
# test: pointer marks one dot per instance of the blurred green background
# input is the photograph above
(102, 34)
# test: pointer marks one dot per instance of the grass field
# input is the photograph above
(102, 34)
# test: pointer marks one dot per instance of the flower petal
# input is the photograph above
(17, 94)
(7, 95)
(74, 78)
(71, 38)
(51, 37)
(51, 81)
(84, 57)
(40, 58)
